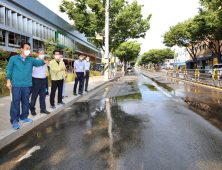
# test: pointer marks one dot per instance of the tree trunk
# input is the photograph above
(219, 59)
(195, 64)
(123, 66)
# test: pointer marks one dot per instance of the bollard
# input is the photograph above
(214, 76)
(185, 74)
(177, 73)
(197, 75)
(171, 73)
(218, 78)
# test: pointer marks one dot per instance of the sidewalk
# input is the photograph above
(5, 101)
(204, 78)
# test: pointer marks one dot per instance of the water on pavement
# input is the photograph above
(130, 124)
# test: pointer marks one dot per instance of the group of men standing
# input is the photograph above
(27, 77)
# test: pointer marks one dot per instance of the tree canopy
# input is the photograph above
(128, 51)
(125, 21)
(156, 56)
(181, 35)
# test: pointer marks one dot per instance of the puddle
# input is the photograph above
(169, 89)
(210, 111)
(96, 127)
(150, 87)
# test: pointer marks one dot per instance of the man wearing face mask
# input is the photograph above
(39, 85)
(87, 66)
(65, 76)
(19, 80)
(57, 71)
(79, 72)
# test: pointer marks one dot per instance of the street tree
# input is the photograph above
(125, 22)
(180, 35)
(50, 45)
(69, 55)
(128, 51)
(157, 56)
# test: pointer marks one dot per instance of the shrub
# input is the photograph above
(3, 89)
(94, 73)
(70, 77)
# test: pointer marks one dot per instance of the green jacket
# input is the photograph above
(19, 72)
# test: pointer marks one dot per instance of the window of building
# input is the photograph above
(204, 47)
(211, 45)
(2, 37)
(201, 48)
(2, 15)
(14, 40)
(37, 45)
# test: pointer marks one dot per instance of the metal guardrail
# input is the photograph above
(203, 76)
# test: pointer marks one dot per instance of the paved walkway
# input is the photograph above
(5, 101)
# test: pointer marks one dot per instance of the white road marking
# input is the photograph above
(168, 95)
(144, 77)
(29, 153)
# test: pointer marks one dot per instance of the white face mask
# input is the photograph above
(80, 58)
(57, 57)
(87, 59)
(27, 52)
(41, 57)
(61, 59)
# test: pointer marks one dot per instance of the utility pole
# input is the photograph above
(174, 60)
(106, 74)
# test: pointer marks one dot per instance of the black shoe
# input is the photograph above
(60, 103)
(66, 96)
(33, 113)
(86, 90)
(74, 94)
(46, 112)
(80, 93)
(53, 107)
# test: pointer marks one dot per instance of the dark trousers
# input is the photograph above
(38, 88)
(19, 94)
(56, 84)
(47, 86)
(80, 79)
(87, 80)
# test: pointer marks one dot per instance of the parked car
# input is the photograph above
(129, 69)
(216, 66)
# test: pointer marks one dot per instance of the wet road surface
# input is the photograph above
(134, 123)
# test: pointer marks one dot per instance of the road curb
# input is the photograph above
(10, 135)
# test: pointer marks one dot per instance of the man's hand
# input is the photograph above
(46, 62)
(9, 85)
(64, 68)
(84, 75)
(75, 76)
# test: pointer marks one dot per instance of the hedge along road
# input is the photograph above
(130, 124)
(70, 78)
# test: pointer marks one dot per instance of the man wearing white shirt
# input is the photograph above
(39, 85)
(87, 67)
(79, 72)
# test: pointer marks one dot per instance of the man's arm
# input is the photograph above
(9, 73)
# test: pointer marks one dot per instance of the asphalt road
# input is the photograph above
(138, 122)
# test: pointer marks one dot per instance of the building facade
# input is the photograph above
(30, 21)
(205, 57)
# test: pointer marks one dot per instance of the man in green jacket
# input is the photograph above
(19, 80)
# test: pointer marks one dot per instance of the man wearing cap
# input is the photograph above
(79, 72)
